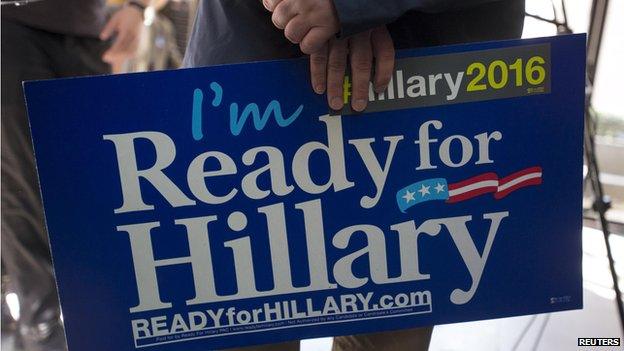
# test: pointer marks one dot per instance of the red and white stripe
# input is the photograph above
(526, 177)
(489, 183)
(472, 187)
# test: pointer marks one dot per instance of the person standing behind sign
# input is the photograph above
(333, 32)
(42, 40)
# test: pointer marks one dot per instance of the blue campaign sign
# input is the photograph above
(223, 206)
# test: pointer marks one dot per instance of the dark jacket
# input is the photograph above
(231, 31)
(82, 18)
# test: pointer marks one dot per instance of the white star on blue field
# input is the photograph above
(426, 190)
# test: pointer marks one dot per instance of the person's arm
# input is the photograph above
(356, 16)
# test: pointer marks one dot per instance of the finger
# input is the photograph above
(336, 65)
(296, 29)
(361, 55)
(109, 29)
(270, 4)
(314, 40)
(383, 51)
(283, 13)
(318, 70)
(109, 56)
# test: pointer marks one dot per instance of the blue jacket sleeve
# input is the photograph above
(360, 15)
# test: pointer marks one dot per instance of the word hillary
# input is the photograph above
(415, 86)
(199, 230)
(275, 168)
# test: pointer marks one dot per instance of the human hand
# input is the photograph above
(126, 24)
(309, 23)
(327, 67)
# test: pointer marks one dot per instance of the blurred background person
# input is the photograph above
(42, 40)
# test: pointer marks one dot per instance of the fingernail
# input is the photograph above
(336, 103)
(319, 89)
(359, 105)
(380, 88)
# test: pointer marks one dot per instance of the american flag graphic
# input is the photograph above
(439, 189)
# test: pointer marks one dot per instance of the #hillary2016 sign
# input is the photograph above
(223, 206)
